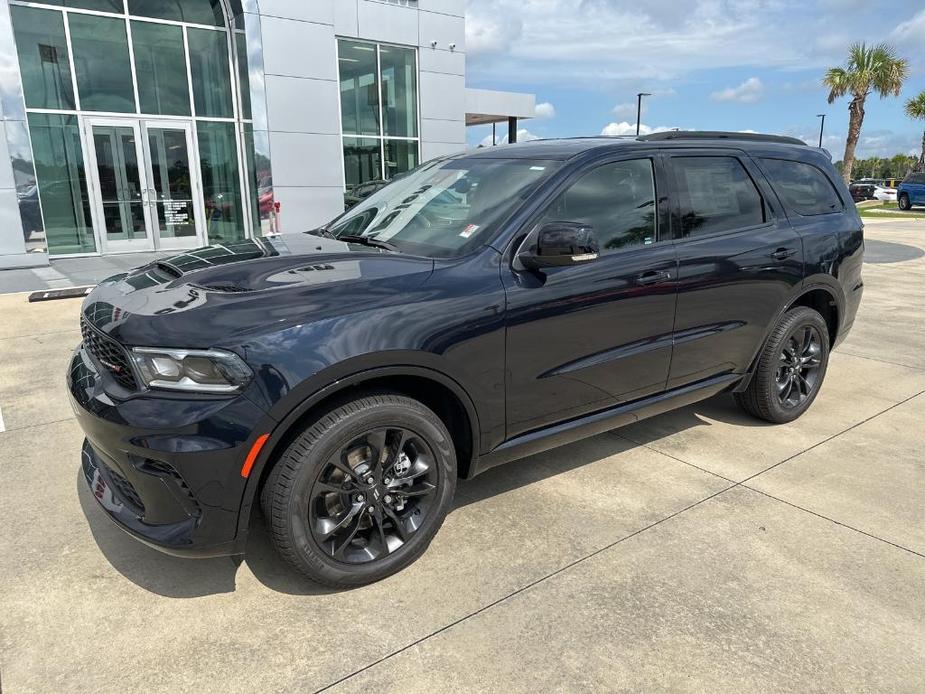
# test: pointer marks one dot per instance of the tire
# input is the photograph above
(904, 202)
(322, 482)
(786, 368)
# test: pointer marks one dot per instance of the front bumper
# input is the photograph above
(166, 469)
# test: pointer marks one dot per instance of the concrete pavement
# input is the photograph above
(699, 550)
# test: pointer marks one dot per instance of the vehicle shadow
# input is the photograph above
(188, 578)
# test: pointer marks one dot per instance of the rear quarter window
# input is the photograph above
(804, 188)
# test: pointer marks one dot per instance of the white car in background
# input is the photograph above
(881, 192)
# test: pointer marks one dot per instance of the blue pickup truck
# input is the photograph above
(911, 191)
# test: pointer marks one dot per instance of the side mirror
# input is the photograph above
(558, 244)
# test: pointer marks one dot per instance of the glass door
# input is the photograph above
(173, 194)
(119, 200)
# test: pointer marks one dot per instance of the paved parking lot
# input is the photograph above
(699, 550)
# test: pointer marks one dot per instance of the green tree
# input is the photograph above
(915, 109)
(876, 69)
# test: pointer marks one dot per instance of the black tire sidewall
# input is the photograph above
(347, 426)
(904, 202)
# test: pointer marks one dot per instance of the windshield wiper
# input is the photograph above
(367, 241)
(322, 232)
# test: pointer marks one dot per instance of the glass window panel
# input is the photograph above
(43, 61)
(400, 156)
(104, 73)
(211, 77)
(160, 64)
(399, 91)
(221, 184)
(716, 194)
(192, 11)
(172, 182)
(123, 208)
(62, 183)
(805, 189)
(359, 92)
(243, 75)
(362, 161)
(99, 5)
(616, 200)
(260, 176)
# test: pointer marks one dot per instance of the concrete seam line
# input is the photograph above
(668, 455)
(53, 332)
(833, 436)
(40, 424)
(522, 589)
(882, 361)
(2, 425)
(836, 522)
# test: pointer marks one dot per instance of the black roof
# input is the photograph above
(566, 148)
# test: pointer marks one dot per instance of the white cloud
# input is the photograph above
(523, 135)
(545, 110)
(750, 91)
(488, 33)
(910, 32)
(626, 128)
(627, 109)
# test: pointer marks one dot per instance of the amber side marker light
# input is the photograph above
(252, 455)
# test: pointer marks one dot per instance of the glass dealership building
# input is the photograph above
(161, 125)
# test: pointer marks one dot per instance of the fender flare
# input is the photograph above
(284, 425)
(826, 283)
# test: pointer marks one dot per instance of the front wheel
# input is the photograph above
(904, 202)
(360, 493)
(790, 369)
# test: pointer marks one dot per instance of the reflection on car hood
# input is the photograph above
(282, 279)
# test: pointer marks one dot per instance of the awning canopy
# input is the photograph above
(485, 106)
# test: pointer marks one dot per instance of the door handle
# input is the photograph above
(783, 253)
(651, 277)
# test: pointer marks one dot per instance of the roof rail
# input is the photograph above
(720, 135)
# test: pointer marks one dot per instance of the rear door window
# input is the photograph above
(804, 188)
(716, 194)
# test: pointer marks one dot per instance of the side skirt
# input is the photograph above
(599, 422)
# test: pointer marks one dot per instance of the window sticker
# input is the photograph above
(469, 230)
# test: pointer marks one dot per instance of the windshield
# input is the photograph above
(447, 207)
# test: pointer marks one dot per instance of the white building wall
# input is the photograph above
(302, 93)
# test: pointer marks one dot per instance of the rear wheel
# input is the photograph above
(790, 369)
(362, 491)
(904, 202)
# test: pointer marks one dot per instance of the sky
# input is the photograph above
(741, 65)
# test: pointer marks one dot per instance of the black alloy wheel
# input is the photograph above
(372, 495)
(790, 368)
(359, 494)
(800, 361)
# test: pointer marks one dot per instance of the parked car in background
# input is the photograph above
(884, 193)
(861, 191)
(911, 191)
(489, 306)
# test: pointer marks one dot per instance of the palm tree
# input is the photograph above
(876, 69)
(915, 108)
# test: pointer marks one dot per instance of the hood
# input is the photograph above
(212, 295)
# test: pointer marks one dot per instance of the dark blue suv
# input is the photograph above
(911, 191)
(483, 308)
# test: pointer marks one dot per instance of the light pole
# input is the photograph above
(639, 109)
(821, 126)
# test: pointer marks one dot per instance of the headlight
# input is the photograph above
(201, 371)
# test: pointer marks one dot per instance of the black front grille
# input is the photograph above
(110, 354)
